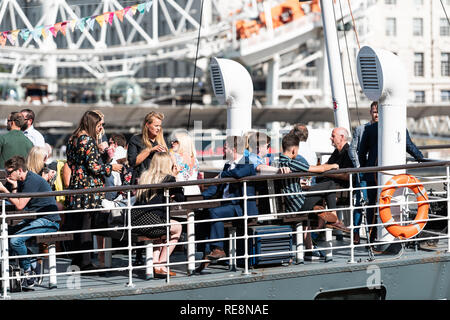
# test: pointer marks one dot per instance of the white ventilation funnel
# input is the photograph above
(382, 77)
(233, 86)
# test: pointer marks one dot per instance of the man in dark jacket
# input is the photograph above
(368, 157)
(237, 167)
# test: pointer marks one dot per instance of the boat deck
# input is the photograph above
(113, 285)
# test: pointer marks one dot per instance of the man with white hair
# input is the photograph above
(339, 139)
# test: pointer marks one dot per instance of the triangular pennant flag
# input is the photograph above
(126, 10)
(53, 30)
(100, 19)
(2, 40)
(37, 32)
(73, 24)
(45, 30)
(63, 27)
(81, 24)
(91, 22)
(134, 8)
(9, 36)
(14, 34)
(141, 7)
(25, 34)
(57, 27)
(119, 14)
(148, 5)
(110, 18)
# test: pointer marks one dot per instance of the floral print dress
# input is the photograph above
(188, 172)
(83, 158)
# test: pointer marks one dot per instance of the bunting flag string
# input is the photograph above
(79, 24)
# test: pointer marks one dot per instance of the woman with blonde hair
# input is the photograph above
(185, 158)
(161, 170)
(36, 159)
(142, 147)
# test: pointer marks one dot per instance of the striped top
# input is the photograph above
(293, 202)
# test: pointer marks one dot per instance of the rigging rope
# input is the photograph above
(195, 65)
(354, 23)
(350, 64)
(445, 11)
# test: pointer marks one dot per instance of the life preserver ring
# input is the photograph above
(408, 231)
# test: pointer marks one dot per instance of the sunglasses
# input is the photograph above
(9, 172)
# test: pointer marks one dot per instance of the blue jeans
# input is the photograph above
(124, 201)
(18, 247)
(109, 182)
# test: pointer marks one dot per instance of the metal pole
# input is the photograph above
(448, 208)
(352, 224)
(340, 106)
(245, 229)
(5, 259)
(167, 195)
(130, 264)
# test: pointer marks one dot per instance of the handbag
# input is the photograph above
(145, 216)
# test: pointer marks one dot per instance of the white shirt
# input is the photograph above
(306, 152)
(35, 136)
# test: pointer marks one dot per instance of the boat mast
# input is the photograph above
(340, 106)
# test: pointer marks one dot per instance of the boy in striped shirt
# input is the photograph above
(296, 202)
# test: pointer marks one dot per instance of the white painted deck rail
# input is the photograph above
(438, 184)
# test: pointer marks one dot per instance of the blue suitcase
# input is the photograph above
(268, 244)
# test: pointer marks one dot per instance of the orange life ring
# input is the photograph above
(408, 231)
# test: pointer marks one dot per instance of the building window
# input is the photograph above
(390, 1)
(418, 64)
(445, 95)
(418, 27)
(391, 27)
(419, 96)
(445, 64)
(444, 29)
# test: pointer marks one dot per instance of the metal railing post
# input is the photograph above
(5, 252)
(352, 224)
(245, 229)
(448, 208)
(167, 195)
(130, 249)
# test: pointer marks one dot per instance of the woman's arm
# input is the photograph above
(92, 162)
(66, 175)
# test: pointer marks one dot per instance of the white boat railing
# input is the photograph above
(440, 183)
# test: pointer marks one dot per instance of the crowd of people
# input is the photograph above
(95, 160)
